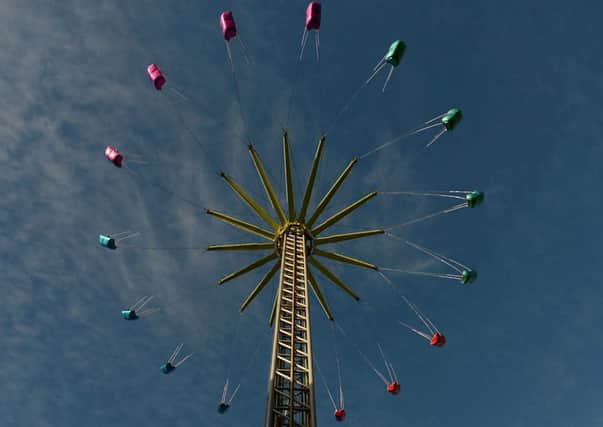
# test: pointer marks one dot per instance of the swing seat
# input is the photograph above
(452, 118)
(438, 340)
(114, 156)
(339, 414)
(468, 276)
(313, 13)
(106, 241)
(129, 314)
(166, 368)
(474, 198)
(393, 388)
(223, 407)
(395, 52)
(227, 25)
(156, 76)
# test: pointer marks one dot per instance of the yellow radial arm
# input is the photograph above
(311, 178)
(343, 258)
(241, 247)
(273, 310)
(336, 280)
(327, 197)
(343, 213)
(319, 295)
(346, 236)
(242, 225)
(266, 183)
(261, 284)
(248, 268)
(250, 202)
(288, 179)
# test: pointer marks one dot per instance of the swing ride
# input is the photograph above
(313, 14)
(156, 76)
(229, 31)
(109, 241)
(136, 310)
(171, 364)
(114, 156)
(291, 241)
(434, 336)
(392, 57)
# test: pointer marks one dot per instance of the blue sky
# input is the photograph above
(522, 343)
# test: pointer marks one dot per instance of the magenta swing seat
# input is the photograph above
(114, 156)
(156, 76)
(227, 25)
(313, 16)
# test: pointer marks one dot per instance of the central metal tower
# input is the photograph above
(292, 244)
(291, 384)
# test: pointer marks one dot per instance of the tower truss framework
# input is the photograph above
(291, 386)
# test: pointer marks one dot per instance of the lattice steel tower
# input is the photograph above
(292, 242)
